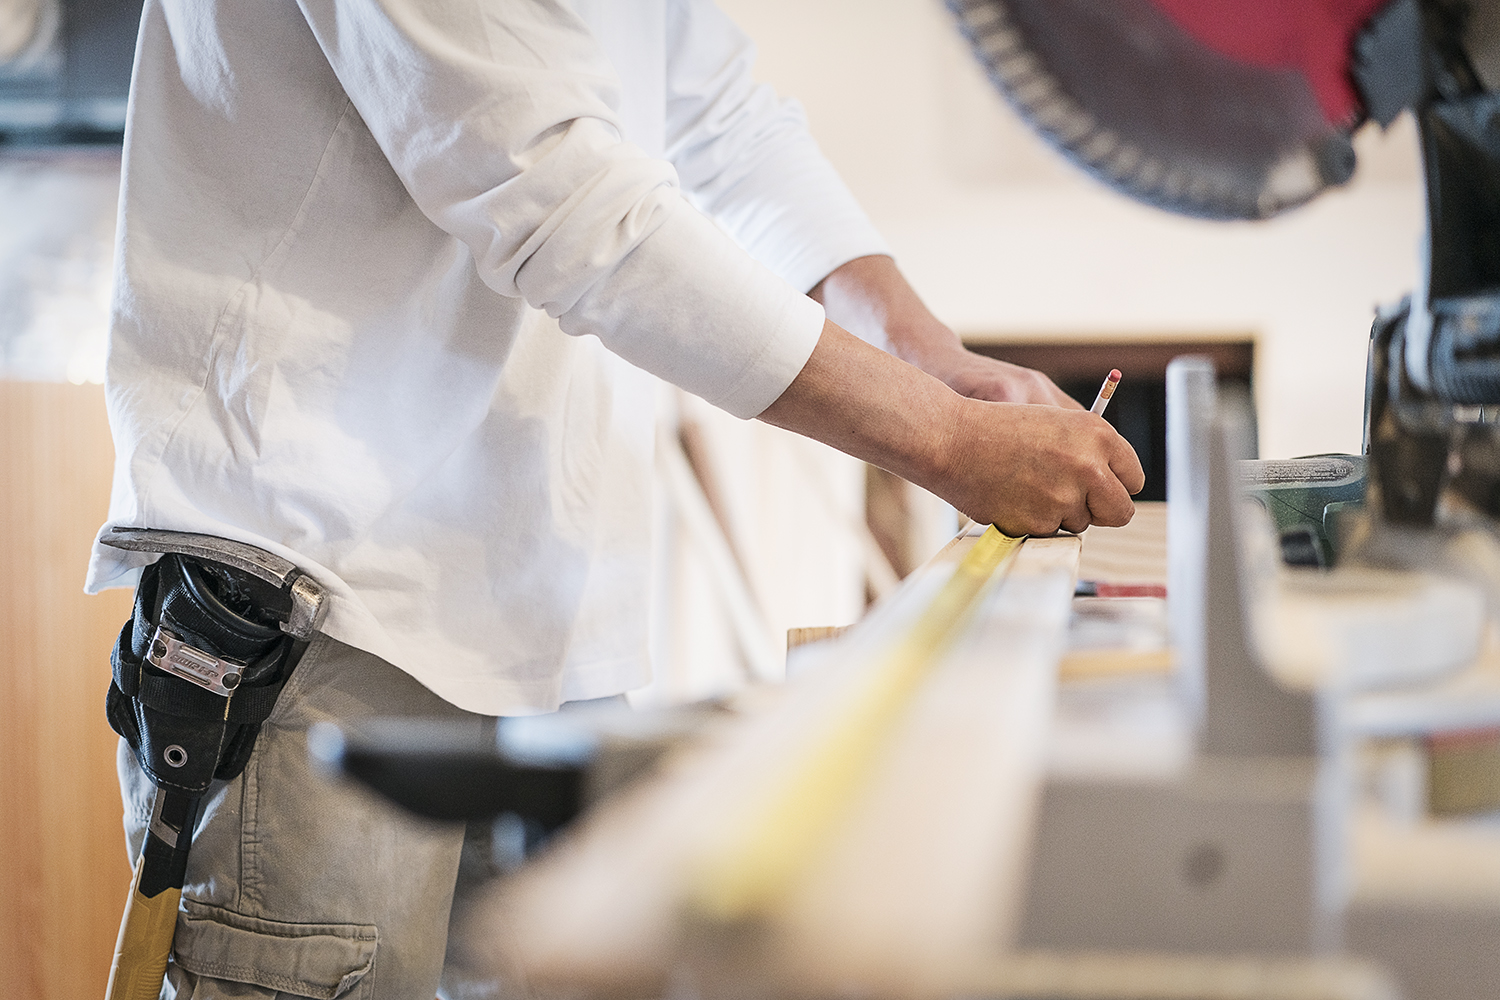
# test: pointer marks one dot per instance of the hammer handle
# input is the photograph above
(144, 943)
(150, 920)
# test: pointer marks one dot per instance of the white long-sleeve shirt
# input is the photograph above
(355, 236)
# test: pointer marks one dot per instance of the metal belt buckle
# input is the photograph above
(209, 672)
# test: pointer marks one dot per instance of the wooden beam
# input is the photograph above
(1065, 360)
(64, 876)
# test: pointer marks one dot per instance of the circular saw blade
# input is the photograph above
(1131, 97)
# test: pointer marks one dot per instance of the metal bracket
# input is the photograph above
(164, 830)
(168, 652)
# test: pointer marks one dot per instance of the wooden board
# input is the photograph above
(64, 875)
(917, 875)
(1136, 553)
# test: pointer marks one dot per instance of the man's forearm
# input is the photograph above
(872, 299)
(868, 404)
(1028, 469)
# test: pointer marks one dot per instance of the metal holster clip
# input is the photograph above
(217, 627)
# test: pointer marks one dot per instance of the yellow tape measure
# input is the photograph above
(759, 865)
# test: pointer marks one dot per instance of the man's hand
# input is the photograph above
(1027, 469)
(1031, 470)
(979, 377)
(869, 297)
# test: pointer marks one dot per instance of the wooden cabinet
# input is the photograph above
(63, 867)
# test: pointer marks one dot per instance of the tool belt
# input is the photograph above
(217, 628)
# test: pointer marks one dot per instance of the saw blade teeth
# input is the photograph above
(997, 45)
(1198, 190)
(982, 18)
(1050, 73)
(982, 22)
(1034, 93)
(1149, 174)
(1100, 146)
(1071, 123)
(979, 12)
(1049, 120)
(1122, 165)
(1174, 185)
(1017, 69)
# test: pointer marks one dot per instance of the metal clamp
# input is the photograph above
(209, 672)
(160, 824)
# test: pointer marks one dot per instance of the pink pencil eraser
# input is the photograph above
(1114, 375)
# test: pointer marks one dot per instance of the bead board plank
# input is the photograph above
(64, 874)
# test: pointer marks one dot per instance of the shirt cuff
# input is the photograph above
(692, 307)
(795, 214)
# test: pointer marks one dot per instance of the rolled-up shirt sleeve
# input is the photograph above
(500, 121)
(747, 158)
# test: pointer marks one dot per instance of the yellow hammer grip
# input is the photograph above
(145, 940)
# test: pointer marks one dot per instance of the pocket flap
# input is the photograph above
(321, 961)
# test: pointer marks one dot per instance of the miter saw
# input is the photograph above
(1244, 109)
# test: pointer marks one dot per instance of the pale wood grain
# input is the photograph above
(918, 875)
(1136, 553)
(64, 872)
(927, 874)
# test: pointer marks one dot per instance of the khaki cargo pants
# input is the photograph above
(304, 887)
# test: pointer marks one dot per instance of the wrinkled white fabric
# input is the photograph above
(355, 238)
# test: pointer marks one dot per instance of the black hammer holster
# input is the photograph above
(216, 630)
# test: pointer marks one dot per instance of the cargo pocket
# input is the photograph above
(321, 961)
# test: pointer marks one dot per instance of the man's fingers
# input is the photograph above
(1043, 514)
(1109, 505)
(1126, 466)
(1108, 508)
(1077, 524)
(1035, 469)
(1109, 498)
